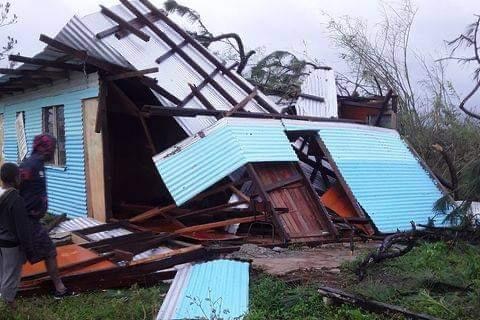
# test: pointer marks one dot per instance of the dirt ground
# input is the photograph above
(322, 261)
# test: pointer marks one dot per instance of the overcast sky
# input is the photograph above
(280, 24)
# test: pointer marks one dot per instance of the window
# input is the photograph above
(54, 124)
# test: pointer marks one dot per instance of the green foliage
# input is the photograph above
(279, 73)
(273, 299)
(433, 278)
(130, 304)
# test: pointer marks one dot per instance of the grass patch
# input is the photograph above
(434, 278)
(135, 303)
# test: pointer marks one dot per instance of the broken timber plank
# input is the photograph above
(152, 213)
(371, 305)
(218, 224)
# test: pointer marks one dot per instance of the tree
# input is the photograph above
(278, 73)
(7, 18)
(470, 41)
(377, 62)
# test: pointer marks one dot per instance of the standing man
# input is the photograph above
(15, 233)
(33, 189)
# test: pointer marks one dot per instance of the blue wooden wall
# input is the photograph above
(66, 186)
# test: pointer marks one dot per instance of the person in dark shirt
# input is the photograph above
(15, 233)
(33, 189)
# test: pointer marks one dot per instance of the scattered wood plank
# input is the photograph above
(219, 224)
(371, 305)
(152, 213)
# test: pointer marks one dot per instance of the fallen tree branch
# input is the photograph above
(370, 305)
(383, 252)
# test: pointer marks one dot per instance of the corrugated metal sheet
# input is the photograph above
(385, 177)
(85, 222)
(320, 83)
(174, 73)
(65, 186)
(198, 291)
(197, 163)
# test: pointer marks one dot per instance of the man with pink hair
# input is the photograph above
(33, 189)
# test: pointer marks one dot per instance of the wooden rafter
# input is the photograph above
(130, 74)
(121, 33)
(179, 51)
(202, 85)
(196, 92)
(236, 79)
(242, 103)
(191, 112)
(82, 55)
(47, 63)
(34, 73)
(124, 24)
(170, 52)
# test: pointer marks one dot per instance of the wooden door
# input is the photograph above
(94, 162)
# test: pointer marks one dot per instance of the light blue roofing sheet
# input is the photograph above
(198, 162)
(201, 291)
(386, 179)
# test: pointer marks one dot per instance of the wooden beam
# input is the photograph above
(203, 100)
(240, 194)
(170, 52)
(180, 52)
(34, 73)
(191, 112)
(102, 106)
(152, 213)
(47, 63)
(122, 33)
(210, 57)
(152, 84)
(311, 97)
(130, 74)
(242, 103)
(211, 209)
(133, 107)
(124, 24)
(81, 55)
(218, 224)
(199, 87)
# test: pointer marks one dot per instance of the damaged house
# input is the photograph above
(155, 130)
